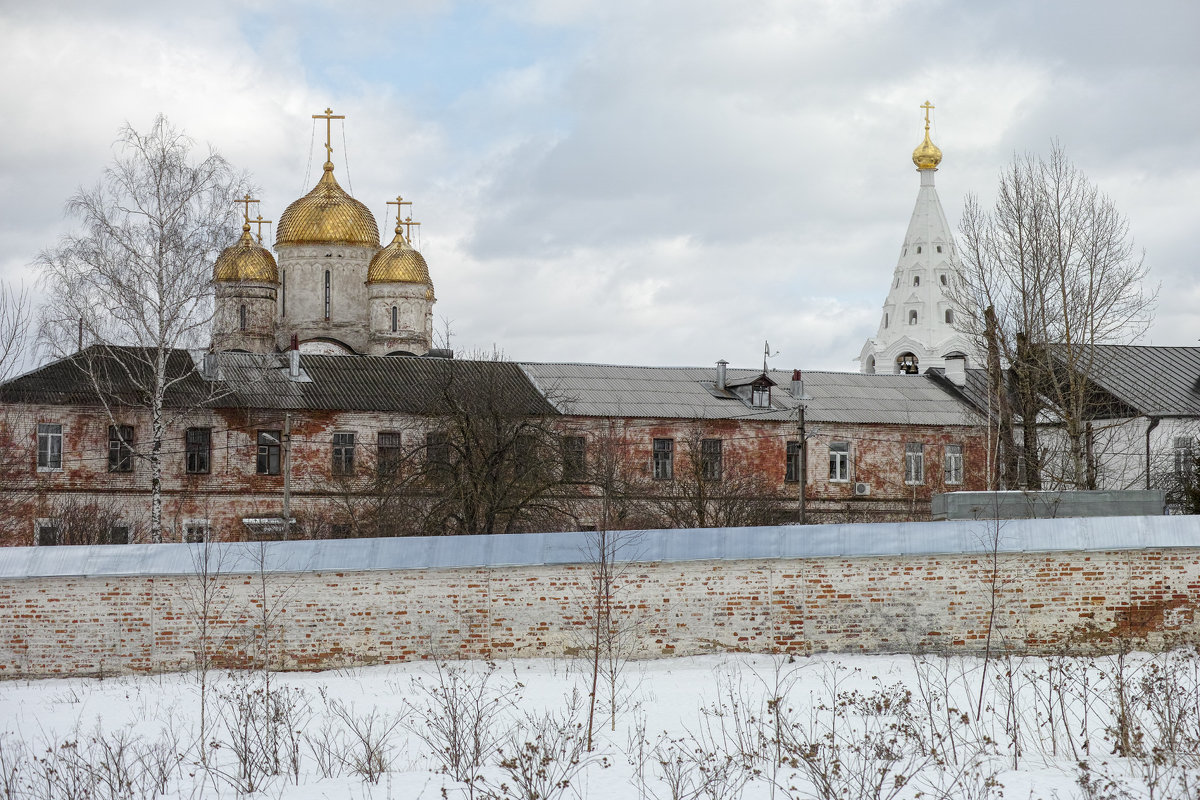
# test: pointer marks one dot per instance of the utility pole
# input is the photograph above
(801, 402)
(287, 474)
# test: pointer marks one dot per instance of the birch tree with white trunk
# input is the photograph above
(132, 284)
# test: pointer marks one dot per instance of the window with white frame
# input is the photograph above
(196, 531)
(49, 446)
(664, 459)
(839, 461)
(953, 466)
(914, 463)
(343, 454)
(1185, 458)
(760, 396)
(120, 448)
(270, 444)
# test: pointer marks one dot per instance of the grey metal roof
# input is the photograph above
(687, 393)
(1157, 381)
(398, 384)
(531, 549)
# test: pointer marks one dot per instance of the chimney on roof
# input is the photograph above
(721, 365)
(956, 368)
(797, 384)
(294, 364)
(211, 366)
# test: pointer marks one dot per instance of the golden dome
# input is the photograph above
(400, 263)
(327, 215)
(246, 260)
(927, 155)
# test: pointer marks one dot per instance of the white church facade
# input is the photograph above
(917, 324)
(330, 285)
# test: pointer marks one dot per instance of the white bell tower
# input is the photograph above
(916, 326)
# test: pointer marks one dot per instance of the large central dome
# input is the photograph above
(327, 215)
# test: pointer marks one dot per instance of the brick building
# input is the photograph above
(670, 447)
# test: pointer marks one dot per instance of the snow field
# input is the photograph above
(713, 727)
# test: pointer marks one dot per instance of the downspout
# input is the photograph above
(1153, 424)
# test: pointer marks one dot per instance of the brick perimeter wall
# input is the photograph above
(319, 620)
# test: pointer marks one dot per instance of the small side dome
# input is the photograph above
(327, 215)
(246, 260)
(399, 262)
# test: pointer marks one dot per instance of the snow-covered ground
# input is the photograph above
(731, 726)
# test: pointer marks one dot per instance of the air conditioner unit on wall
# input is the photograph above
(862, 489)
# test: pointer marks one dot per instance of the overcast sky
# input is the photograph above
(648, 183)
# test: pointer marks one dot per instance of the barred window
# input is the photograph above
(792, 471)
(664, 459)
(343, 454)
(839, 461)
(710, 459)
(198, 450)
(574, 458)
(120, 448)
(49, 446)
(914, 463)
(954, 463)
(269, 446)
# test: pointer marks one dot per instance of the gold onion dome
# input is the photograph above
(246, 260)
(399, 262)
(327, 215)
(927, 155)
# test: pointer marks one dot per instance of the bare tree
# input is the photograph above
(1055, 263)
(712, 487)
(135, 281)
(492, 458)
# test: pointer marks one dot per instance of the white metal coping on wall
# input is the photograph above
(540, 549)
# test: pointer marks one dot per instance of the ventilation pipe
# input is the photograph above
(721, 365)
(294, 358)
(956, 368)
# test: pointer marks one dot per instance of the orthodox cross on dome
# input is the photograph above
(408, 226)
(928, 106)
(329, 116)
(399, 203)
(246, 201)
(260, 222)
